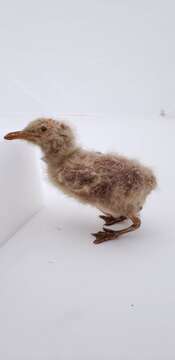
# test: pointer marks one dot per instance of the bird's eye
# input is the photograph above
(43, 128)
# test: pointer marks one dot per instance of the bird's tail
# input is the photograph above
(151, 181)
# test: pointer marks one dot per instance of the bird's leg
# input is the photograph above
(110, 220)
(108, 234)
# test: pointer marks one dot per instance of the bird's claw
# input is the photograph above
(110, 220)
(105, 235)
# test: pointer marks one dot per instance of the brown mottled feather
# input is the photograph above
(113, 183)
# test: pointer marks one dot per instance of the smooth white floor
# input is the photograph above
(62, 297)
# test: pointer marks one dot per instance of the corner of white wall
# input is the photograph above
(20, 186)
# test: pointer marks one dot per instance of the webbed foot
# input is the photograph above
(105, 235)
(110, 220)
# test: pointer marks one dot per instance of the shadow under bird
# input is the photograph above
(114, 184)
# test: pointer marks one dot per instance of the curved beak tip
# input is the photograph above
(6, 137)
(12, 135)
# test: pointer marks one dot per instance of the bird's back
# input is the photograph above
(125, 174)
(105, 179)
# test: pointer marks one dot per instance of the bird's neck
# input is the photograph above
(58, 158)
(56, 150)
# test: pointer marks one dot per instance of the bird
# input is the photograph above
(112, 183)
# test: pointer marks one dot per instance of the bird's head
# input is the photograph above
(51, 135)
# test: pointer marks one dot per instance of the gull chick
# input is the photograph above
(114, 184)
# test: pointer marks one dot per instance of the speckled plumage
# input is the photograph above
(112, 183)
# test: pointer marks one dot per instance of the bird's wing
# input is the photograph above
(89, 182)
(77, 178)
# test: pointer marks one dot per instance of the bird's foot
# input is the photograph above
(105, 235)
(110, 220)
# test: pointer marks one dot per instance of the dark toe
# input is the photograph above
(109, 230)
(103, 217)
(105, 235)
(109, 220)
(99, 237)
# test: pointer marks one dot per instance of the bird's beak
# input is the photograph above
(23, 135)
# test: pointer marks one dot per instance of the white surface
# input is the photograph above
(86, 57)
(64, 298)
(20, 186)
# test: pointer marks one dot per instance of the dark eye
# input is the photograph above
(43, 128)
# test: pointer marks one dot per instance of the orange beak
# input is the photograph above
(22, 135)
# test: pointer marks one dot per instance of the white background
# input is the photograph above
(86, 57)
(108, 66)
